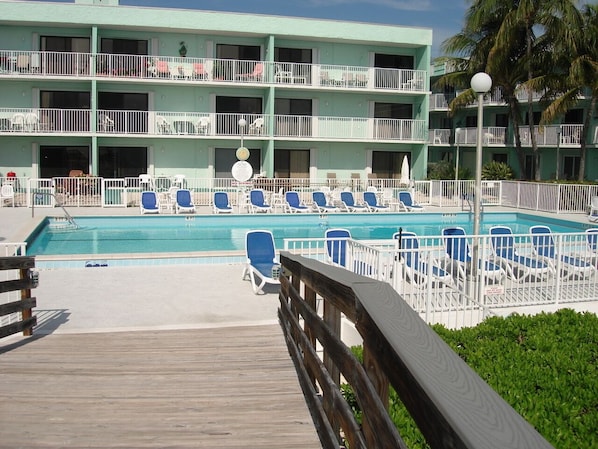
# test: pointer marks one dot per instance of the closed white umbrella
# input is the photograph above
(405, 178)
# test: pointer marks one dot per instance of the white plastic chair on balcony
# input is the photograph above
(257, 127)
(163, 125)
(203, 125)
(106, 124)
(17, 122)
(31, 121)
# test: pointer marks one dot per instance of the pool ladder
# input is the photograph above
(67, 216)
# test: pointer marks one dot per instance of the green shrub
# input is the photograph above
(545, 366)
(496, 171)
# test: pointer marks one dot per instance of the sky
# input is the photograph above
(444, 17)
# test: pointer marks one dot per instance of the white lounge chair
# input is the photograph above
(261, 261)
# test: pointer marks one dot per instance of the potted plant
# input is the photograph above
(182, 49)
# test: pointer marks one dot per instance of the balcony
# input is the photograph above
(168, 69)
(439, 137)
(548, 136)
(19, 121)
(493, 136)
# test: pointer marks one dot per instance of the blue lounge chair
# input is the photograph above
(257, 202)
(459, 253)
(407, 203)
(336, 246)
(349, 203)
(517, 266)
(592, 240)
(371, 201)
(221, 203)
(293, 203)
(149, 203)
(261, 260)
(571, 266)
(417, 267)
(321, 203)
(184, 202)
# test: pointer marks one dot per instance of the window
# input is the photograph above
(286, 125)
(230, 109)
(500, 157)
(58, 161)
(111, 63)
(574, 117)
(124, 46)
(65, 44)
(388, 123)
(122, 162)
(471, 121)
(65, 99)
(387, 164)
(226, 157)
(571, 167)
(502, 120)
(291, 163)
(301, 55)
(65, 110)
(128, 120)
(393, 61)
(530, 165)
(238, 52)
(391, 79)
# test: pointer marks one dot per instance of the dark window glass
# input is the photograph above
(226, 157)
(291, 163)
(124, 46)
(388, 164)
(122, 162)
(58, 161)
(240, 52)
(300, 55)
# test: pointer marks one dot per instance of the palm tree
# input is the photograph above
(575, 62)
(499, 37)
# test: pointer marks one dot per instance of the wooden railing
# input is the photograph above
(26, 280)
(452, 406)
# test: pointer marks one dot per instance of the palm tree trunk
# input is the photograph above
(583, 140)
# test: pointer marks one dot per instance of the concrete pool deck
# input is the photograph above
(113, 299)
(80, 300)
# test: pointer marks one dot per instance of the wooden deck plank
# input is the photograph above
(218, 388)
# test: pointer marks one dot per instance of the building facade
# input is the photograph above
(559, 144)
(117, 91)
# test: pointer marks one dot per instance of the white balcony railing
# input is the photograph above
(492, 136)
(548, 136)
(440, 102)
(16, 63)
(440, 136)
(79, 121)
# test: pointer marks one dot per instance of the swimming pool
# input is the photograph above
(152, 235)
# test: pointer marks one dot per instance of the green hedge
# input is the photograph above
(545, 366)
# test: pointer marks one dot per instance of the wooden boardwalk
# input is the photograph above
(232, 387)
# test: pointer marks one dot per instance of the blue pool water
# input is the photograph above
(175, 234)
